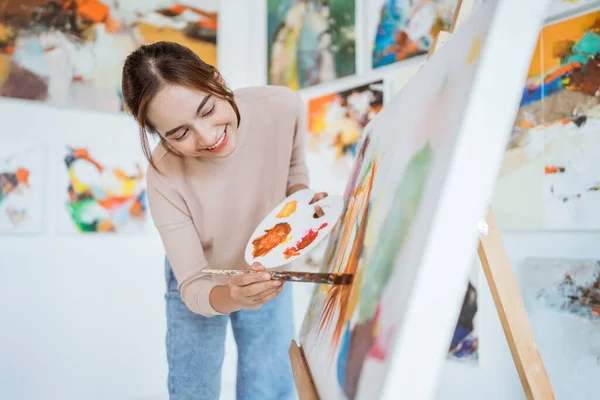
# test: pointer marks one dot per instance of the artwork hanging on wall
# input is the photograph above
(464, 346)
(550, 179)
(401, 29)
(23, 177)
(310, 42)
(562, 297)
(102, 191)
(353, 336)
(335, 125)
(70, 53)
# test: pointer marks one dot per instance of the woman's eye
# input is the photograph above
(183, 135)
(211, 110)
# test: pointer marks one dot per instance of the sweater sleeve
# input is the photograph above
(298, 173)
(182, 245)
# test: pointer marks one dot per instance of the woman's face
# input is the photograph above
(193, 123)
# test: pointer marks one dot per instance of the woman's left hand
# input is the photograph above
(318, 210)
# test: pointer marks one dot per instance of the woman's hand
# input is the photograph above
(253, 290)
(318, 210)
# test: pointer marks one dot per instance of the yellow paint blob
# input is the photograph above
(288, 209)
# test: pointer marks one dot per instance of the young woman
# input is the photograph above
(223, 161)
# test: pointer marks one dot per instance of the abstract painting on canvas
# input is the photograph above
(335, 124)
(401, 29)
(310, 42)
(349, 332)
(101, 191)
(562, 297)
(70, 53)
(23, 178)
(550, 178)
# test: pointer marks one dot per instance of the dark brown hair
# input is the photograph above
(153, 66)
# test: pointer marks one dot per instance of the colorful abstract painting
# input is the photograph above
(550, 179)
(464, 346)
(401, 29)
(23, 176)
(352, 334)
(310, 41)
(102, 193)
(70, 52)
(335, 125)
(562, 297)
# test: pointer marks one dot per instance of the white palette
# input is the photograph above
(288, 228)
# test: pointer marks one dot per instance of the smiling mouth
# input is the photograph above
(219, 142)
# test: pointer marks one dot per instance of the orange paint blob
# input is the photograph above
(551, 169)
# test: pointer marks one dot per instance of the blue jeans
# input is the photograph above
(196, 349)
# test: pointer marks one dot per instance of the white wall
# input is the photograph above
(105, 339)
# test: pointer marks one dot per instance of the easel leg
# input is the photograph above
(512, 313)
(304, 383)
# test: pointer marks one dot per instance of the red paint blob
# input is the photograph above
(304, 242)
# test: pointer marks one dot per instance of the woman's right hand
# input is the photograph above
(253, 290)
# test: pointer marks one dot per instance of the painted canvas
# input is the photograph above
(354, 336)
(70, 52)
(102, 191)
(550, 179)
(401, 29)
(401, 76)
(562, 297)
(23, 177)
(335, 124)
(310, 41)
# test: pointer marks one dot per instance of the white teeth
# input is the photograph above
(218, 141)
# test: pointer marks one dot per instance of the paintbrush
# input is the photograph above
(312, 277)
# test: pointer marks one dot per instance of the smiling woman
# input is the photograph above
(224, 161)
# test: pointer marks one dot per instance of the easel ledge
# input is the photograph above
(503, 287)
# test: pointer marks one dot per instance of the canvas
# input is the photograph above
(562, 297)
(401, 29)
(401, 76)
(550, 177)
(310, 42)
(335, 125)
(102, 190)
(408, 232)
(23, 178)
(70, 53)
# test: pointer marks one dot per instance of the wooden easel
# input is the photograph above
(503, 286)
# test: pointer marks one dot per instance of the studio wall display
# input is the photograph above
(354, 336)
(70, 53)
(102, 191)
(22, 187)
(310, 42)
(550, 179)
(401, 29)
(335, 125)
(562, 297)
(464, 346)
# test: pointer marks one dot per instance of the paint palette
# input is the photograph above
(291, 229)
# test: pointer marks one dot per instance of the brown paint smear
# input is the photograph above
(272, 238)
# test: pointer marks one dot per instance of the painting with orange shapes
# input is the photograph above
(104, 192)
(349, 331)
(335, 124)
(23, 181)
(70, 53)
(550, 179)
